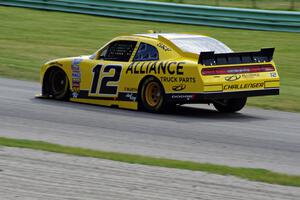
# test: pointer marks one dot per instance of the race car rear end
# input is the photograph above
(236, 76)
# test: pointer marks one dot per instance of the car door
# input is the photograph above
(104, 71)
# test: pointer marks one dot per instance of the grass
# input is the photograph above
(252, 174)
(257, 4)
(29, 38)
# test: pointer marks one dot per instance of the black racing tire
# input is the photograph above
(58, 85)
(152, 95)
(230, 105)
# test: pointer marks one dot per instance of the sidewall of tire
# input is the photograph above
(66, 94)
(234, 105)
(144, 105)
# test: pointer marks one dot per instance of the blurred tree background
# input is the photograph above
(292, 5)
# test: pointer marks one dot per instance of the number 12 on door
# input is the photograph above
(107, 84)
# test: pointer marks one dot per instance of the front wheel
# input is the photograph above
(152, 95)
(58, 85)
(230, 105)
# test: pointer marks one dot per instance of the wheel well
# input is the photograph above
(45, 86)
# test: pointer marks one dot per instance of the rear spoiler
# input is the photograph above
(210, 58)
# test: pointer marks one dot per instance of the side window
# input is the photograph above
(118, 51)
(146, 52)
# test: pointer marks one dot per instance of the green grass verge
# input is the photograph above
(29, 38)
(252, 174)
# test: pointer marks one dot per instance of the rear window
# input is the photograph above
(200, 44)
(146, 52)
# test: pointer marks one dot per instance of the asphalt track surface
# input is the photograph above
(252, 138)
(32, 175)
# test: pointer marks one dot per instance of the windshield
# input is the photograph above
(199, 44)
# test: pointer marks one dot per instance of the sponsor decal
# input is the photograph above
(76, 77)
(243, 86)
(130, 89)
(76, 84)
(179, 87)
(75, 68)
(173, 79)
(75, 64)
(182, 96)
(75, 94)
(169, 67)
(76, 89)
(233, 77)
(76, 74)
(127, 96)
(252, 75)
(164, 47)
(273, 74)
(131, 96)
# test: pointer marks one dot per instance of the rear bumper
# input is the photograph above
(210, 96)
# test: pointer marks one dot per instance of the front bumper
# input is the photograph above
(207, 97)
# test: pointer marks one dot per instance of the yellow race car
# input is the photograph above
(158, 71)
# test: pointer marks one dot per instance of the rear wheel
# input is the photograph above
(230, 105)
(152, 95)
(58, 85)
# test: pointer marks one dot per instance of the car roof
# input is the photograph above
(159, 36)
(189, 42)
(169, 36)
(183, 43)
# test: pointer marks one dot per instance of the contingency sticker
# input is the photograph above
(76, 77)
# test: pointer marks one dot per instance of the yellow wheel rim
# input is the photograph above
(153, 94)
